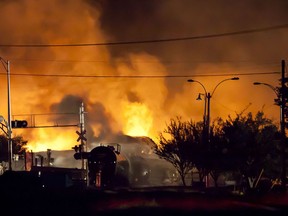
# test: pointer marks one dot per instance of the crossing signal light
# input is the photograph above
(19, 124)
(76, 148)
(81, 155)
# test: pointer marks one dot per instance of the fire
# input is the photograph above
(139, 119)
(135, 107)
(50, 138)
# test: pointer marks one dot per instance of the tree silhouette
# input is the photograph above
(245, 144)
(176, 145)
(18, 146)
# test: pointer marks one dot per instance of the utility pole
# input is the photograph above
(82, 131)
(6, 65)
(283, 134)
(82, 138)
(208, 116)
(9, 118)
(79, 149)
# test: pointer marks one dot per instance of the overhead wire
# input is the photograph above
(249, 31)
(140, 76)
(141, 42)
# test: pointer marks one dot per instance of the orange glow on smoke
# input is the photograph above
(50, 138)
(138, 120)
(135, 107)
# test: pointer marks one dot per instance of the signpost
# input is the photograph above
(82, 140)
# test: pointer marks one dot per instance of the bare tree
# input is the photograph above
(176, 145)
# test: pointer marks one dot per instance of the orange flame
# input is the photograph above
(51, 138)
(138, 120)
(145, 105)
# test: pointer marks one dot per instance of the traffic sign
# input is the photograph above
(81, 135)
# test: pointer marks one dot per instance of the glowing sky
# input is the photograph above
(135, 106)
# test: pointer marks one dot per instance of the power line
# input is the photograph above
(267, 62)
(141, 76)
(249, 31)
(35, 114)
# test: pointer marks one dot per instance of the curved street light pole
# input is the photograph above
(277, 95)
(205, 102)
(208, 97)
(282, 102)
(6, 65)
(270, 86)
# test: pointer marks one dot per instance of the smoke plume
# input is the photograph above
(48, 84)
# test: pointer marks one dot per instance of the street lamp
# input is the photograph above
(281, 102)
(205, 104)
(6, 65)
(207, 101)
(266, 84)
(278, 100)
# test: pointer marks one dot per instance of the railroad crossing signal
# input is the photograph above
(81, 136)
(78, 148)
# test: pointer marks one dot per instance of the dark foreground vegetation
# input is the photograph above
(246, 147)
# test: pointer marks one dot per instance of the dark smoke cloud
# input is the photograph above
(67, 112)
(69, 106)
(106, 100)
(126, 20)
(99, 116)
